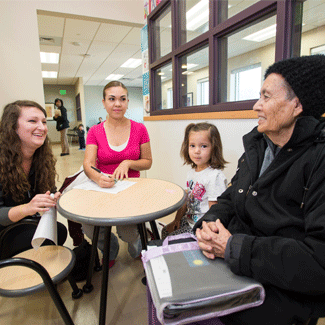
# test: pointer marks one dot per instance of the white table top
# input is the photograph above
(146, 200)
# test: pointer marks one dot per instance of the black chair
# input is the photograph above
(20, 266)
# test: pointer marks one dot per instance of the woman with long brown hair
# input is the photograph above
(27, 165)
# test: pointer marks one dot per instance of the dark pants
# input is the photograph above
(82, 144)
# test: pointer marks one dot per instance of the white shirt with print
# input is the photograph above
(202, 187)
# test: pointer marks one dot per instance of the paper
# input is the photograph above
(118, 187)
(46, 229)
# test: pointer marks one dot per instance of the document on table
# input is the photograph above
(118, 187)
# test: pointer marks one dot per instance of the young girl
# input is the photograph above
(202, 149)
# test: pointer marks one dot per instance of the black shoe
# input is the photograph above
(64, 154)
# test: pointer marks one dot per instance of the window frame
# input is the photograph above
(287, 44)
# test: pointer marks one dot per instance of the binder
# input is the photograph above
(186, 286)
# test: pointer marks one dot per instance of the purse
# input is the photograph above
(186, 286)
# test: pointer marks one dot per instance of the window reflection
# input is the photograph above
(195, 78)
(163, 87)
(247, 54)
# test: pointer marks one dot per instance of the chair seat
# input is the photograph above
(19, 281)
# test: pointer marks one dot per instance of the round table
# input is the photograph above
(146, 200)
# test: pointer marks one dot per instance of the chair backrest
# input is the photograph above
(17, 237)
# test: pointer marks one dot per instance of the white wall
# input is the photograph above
(19, 44)
(166, 138)
(95, 109)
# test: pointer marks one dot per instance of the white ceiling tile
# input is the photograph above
(78, 29)
(112, 33)
(133, 37)
(68, 48)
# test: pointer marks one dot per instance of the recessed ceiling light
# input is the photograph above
(49, 74)
(47, 57)
(262, 35)
(189, 66)
(114, 76)
(131, 63)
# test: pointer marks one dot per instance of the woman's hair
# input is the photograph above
(12, 176)
(114, 84)
(216, 160)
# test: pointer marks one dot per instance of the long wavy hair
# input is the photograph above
(12, 176)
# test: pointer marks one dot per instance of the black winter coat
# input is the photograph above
(278, 219)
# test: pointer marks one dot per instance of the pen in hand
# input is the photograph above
(99, 171)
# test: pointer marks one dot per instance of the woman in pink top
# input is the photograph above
(119, 147)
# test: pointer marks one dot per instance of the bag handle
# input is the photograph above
(176, 237)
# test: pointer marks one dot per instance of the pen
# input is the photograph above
(99, 171)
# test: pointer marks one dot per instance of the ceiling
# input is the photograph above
(89, 48)
(93, 49)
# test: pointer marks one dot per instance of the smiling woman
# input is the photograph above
(27, 166)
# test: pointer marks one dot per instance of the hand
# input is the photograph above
(212, 239)
(105, 181)
(122, 170)
(39, 203)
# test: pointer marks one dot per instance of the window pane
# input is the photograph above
(247, 55)
(194, 67)
(233, 7)
(313, 28)
(162, 34)
(194, 18)
(163, 88)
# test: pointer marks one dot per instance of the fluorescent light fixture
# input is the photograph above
(162, 78)
(262, 35)
(189, 66)
(160, 73)
(131, 63)
(187, 72)
(47, 57)
(114, 76)
(49, 74)
(197, 15)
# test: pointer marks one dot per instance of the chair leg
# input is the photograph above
(88, 287)
(154, 229)
(143, 235)
(98, 267)
(76, 293)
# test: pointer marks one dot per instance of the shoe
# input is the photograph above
(64, 154)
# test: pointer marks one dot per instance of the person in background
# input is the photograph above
(27, 169)
(100, 120)
(62, 125)
(202, 149)
(81, 135)
(120, 148)
(270, 223)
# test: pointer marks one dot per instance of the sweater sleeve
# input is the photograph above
(4, 210)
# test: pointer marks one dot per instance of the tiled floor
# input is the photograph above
(126, 298)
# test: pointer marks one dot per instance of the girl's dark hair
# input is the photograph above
(217, 160)
(114, 84)
(12, 176)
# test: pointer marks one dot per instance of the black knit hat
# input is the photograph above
(306, 77)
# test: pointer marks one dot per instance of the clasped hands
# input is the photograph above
(212, 239)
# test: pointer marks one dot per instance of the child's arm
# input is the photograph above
(211, 203)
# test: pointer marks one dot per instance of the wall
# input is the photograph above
(95, 109)
(19, 50)
(166, 138)
(51, 92)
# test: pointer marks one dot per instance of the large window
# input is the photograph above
(219, 50)
(245, 83)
